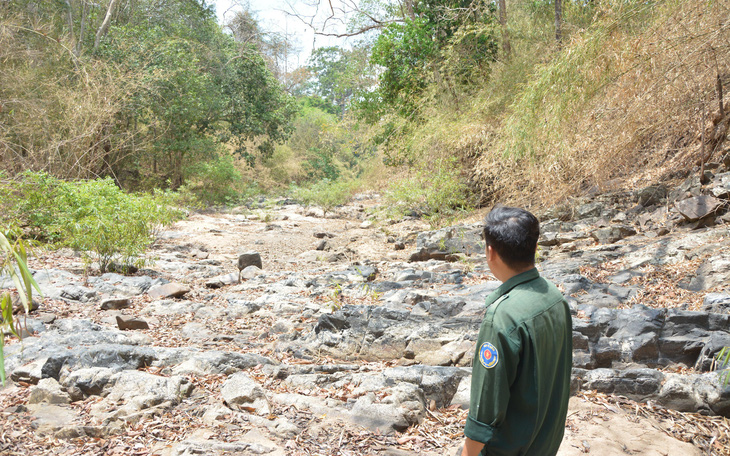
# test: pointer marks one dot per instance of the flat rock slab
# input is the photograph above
(169, 290)
(125, 322)
(699, 207)
(115, 303)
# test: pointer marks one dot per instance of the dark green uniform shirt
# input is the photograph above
(521, 371)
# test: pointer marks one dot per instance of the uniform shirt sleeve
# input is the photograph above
(491, 382)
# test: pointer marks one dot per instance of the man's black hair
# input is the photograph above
(513, 233)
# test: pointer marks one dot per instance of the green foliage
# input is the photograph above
(13, 264)
(723, 362)
(437, 191)
(95, 217)
(215, 182)
(326, 194)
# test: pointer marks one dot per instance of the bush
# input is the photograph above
(438, 192)
(326, 193)
(95, 217)
(216, 181)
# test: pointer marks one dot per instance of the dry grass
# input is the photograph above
(620, 105)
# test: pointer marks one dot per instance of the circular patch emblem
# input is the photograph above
(488, 355)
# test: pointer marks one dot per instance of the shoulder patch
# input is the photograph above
(488, 355)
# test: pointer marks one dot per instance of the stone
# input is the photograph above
(128, 322)
(50, 418)
(653, 194)
(48, 391)
(223, 280)
(698, 207)
(323, 234)
(77, 293)
(322, 245)
(250, 258)
(139, 390)
(593, 209)
(86, 382)
(611, 234)
(366, 224)
(115, 303)
(169, 290)
(716, 303)
(242, 393)
(447, 242)
(251, 272)
(720, 187)
(712, 272)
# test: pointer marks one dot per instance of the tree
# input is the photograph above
(338, 74)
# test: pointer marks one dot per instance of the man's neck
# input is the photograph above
(507, 273)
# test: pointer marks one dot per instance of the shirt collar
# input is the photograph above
(505, 288)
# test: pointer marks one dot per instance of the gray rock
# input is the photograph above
(653, 194)
(251, 258)
(323, 234)
(612, 234)
(446, 243)
(242, 393)
(115, 303)
(77, 293)
(396, 412)
(169, 290)
(712, 272)
(251, 272)
(139, 390)
(223, 280)
(699, 207)
(86, 382)
(593, 209)
(716, 303)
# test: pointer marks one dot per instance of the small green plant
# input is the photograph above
(335, 298)
(13, 264)
(722, 361)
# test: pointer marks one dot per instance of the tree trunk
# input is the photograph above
(558, 20)
(506, 48)
(105, 25)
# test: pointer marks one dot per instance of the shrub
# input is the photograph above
(326, 193)
(438, 191)
(95, 216)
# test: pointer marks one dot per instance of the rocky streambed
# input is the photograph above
(276, 330)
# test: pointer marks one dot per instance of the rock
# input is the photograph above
(186, 361)
(324, 244)
(251, 272)
(399, 245)
(86, 382)
(48, 391)
(250, 258)
(139, 390)
(720, 187)
(396, 412)
(716, 303)
(115, 303)
(242, 393)
(323, 234)
(593, 209)
(50, 418)
(128, 322)
(223, 280)
(366, 224)
(448, 242)
(169, 290)
(712, 272)
(653, 194)
(77, 293)
(611, 234)
(699, 207)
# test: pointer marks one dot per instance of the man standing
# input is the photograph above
(521, 370)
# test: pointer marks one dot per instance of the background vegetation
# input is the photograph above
(442, 104)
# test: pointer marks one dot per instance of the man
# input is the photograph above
(521, 370)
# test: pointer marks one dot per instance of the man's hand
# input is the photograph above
(472, 448)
